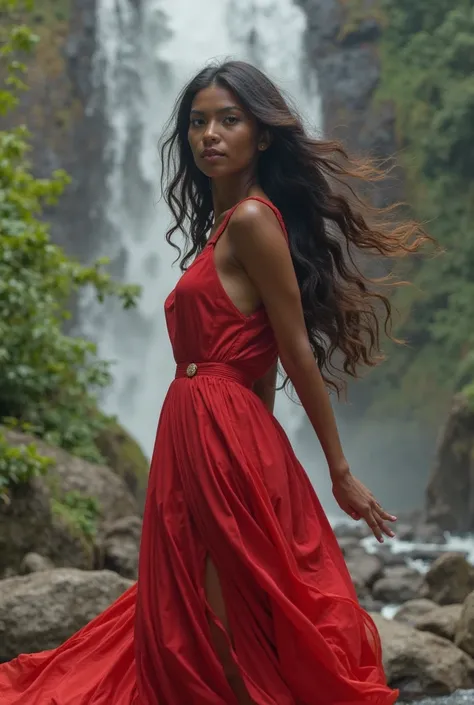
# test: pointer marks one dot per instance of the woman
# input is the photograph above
(243, 594)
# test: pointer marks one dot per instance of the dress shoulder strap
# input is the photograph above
(228, 215)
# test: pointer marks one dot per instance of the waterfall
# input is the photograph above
(146, 52)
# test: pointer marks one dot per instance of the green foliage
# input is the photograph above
(80, 512)
(428, 69)
(47, 379)
(18, 465)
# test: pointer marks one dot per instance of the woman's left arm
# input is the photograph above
(260, 247)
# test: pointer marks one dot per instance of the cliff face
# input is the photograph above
(343, 44)
(67, 128)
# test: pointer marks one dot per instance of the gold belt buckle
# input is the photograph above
(191, 369)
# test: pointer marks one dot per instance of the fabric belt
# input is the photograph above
(213, 369)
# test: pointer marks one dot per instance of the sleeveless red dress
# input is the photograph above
(224, 481)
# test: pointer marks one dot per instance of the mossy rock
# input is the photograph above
(124, 456)
(61, 515)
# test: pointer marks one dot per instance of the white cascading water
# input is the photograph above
(146, 53)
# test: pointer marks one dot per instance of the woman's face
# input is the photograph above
(223, 136)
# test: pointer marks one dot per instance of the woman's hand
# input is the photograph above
(357, 501)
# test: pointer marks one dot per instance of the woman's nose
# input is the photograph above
(210, 133)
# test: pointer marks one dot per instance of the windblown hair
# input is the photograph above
(311, 182)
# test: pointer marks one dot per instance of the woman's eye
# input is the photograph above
(196, 122)
(231, 119)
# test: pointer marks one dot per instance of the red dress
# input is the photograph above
(224, 481)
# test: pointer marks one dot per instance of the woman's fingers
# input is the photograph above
(381, 517)
(350, 511)
(373, 522)
(376, 517)
(385, 515)
(354, 514)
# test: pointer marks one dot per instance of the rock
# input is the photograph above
(33, 522)
(460, 697)
(34, 563)
(449, 580)
(464, 637)
(429, 533)
(389, 558)
(450, 492)
(354, 531)
(370, 604)
(398, 585)
(365, 569)
(405, 532)
(125, 457)
(420, 663)
(121, 546)
(413, 610)
(349, 545)
(442, 621)
(427, 555)
(41, 610)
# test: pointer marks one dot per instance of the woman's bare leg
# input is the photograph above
(216, 602)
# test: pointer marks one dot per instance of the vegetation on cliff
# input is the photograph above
(48, 380)
(427, 57)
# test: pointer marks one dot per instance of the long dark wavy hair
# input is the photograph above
(311, 182)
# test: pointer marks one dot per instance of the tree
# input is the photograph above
(48, 379)
(428, 70)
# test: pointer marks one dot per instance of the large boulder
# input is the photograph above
(39, 520)
(125, 457)
(365, 568)
(464, 637)
(41, 610)
(450, 492)
(442, 621)
(420, 663)
(399, 584)
(413, 610)
(449, 580)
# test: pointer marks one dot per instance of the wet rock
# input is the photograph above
(464, 637)
(370, 604)
(422, 664)
(41, 610)
(449, 580)
(413, 610)
(365, 569)
(427, 555)
(429, 533)
(442, 621)
(390, 558)
(349, 545)
(461, 697)
(398, 585)
(404, 532)
(450, 492)
(355, 531)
